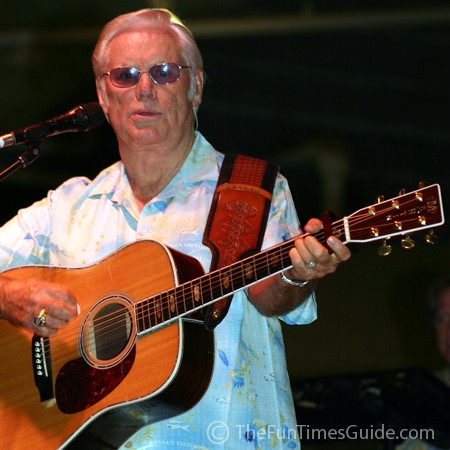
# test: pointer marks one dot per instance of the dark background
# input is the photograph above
(350, 97)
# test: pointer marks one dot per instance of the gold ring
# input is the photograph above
(41, 318)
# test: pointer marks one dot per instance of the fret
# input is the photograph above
(196, 293)
(143, 315)
(237, 276)
(246, 271)
(157, 309)
(263, 267)
(172, 304)
(285, 260)
(225, 281)
(207, 292)
(274, 260)
(187, 296)
(216, 287)
(165, 309)
(176, 295)
(249, 273)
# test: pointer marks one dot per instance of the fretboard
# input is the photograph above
(193, 295)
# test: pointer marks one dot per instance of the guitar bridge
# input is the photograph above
(42, 368)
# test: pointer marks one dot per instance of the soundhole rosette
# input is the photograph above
(108, 332)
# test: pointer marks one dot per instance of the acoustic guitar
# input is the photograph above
(138, 337)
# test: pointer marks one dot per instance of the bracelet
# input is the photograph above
(292, 282)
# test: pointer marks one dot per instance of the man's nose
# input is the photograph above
(145, 86)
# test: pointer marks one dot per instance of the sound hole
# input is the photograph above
(108, 333)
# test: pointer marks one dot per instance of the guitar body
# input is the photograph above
(86, 381)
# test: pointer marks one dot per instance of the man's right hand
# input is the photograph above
(21, 301)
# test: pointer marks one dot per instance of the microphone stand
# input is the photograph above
(24, 160)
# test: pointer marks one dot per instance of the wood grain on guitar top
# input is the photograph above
(158, 359)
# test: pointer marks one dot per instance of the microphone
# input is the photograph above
(81, 118)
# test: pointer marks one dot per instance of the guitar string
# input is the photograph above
(218, 276)
(108, 323)
(241, 266)
(158, 309)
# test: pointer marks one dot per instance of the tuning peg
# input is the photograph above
(384, 249)
(408, 243)
(431, 238)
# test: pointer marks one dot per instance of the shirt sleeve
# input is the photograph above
(26, 239)
(284, 224)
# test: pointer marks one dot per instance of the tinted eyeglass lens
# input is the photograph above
(129, 76)
(125, 76)
(165, 73)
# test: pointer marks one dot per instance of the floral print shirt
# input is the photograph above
(248, 404)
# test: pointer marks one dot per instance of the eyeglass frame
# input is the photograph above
(148, 72)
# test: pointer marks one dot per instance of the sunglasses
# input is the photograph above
(164, 73)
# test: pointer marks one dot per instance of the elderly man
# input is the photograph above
(149, 78)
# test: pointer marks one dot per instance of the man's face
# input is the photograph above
(442, 324)
(148, 113)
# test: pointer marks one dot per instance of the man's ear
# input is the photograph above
(199, 80)
(102, 97)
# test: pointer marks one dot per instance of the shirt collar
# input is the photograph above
(201, 165)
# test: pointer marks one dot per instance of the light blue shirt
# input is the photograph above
(248, 403)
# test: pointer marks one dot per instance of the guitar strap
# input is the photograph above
(237, 218)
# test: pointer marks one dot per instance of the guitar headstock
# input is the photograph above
(399, 216)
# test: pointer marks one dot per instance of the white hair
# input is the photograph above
(149, 19)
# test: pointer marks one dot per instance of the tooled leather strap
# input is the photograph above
(237, 218)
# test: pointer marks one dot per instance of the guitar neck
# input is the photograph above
(407, 213)
(188, 297)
